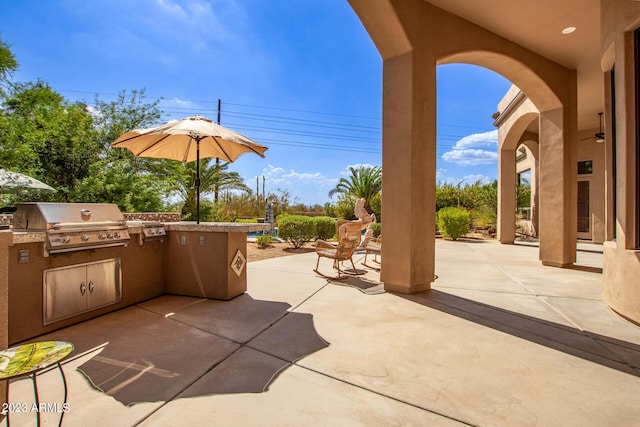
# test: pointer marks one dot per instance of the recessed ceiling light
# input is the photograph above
(568, 30)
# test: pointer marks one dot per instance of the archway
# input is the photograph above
(413, 37)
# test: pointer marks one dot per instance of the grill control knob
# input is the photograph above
(102, 236)
(66, 239)
(116, 234)
(109, 235)
(84, 237)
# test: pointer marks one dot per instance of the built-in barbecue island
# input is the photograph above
(69, 262)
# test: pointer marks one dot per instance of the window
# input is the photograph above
(585, 167)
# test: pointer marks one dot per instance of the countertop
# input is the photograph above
(135, 227)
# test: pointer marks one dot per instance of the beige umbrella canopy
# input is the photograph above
(188, 140)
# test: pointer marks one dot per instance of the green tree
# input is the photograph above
(43, 135)
(364, 182)
(125, 113)
(134, 184)
(453, 222)
(213, 176)
(8, 65)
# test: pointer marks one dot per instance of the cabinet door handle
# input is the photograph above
(91, 286)
(83, 288)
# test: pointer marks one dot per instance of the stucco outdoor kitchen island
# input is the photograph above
(41, 292)
(208, 259)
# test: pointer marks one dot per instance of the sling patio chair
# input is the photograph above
(348, 234)
(372, 245)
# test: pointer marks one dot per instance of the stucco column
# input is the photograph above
(506, 196)
(6, 240)
(558, 188)
(409, 173)
(535, 185)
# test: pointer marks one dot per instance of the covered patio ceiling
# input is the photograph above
(538, 27)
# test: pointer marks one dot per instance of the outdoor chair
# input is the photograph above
(348, 234)
(372, 245)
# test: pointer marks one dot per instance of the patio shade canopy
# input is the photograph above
(179, 140)
(14, 182)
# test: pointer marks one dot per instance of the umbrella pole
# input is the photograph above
(197, 180)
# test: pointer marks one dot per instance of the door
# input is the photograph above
(584, 209)
(73, 290)
(103, 283)
(64, 292)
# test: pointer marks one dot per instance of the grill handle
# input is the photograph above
(83, 288)
(96, 224)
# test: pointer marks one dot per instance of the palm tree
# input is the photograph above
(364, 182)
(213, 177)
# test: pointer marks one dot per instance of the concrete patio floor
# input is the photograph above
(500, 340)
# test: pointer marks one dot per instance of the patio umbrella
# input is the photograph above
(188, 140)
(14, 182)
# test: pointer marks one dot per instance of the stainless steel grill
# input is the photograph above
(73, 226)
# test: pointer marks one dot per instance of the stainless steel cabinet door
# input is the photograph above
(69, 291)
(103, 283)
(64, 292)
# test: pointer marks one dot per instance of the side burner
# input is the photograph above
(73, 226)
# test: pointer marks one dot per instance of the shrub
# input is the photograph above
(247, 220)
(296, 229)
(453, 222)
(264, 241)
(377, 229)
(325, 227)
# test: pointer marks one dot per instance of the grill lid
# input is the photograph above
(45, 216)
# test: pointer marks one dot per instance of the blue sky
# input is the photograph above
(299, 76)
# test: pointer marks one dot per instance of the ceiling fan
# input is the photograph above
(599, 136)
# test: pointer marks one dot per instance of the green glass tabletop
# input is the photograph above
(28, 358)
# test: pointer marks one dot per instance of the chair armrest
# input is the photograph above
(321, 244)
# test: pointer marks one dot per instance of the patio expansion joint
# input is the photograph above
(538, 296)
(386, 396)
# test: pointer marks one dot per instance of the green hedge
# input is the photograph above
(300, 229)
(325, 227)
(247, 220)
(264, 241)
(377, 229)
(453, 222)
(296, 229)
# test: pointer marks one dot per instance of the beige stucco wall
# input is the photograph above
(621, 287)
(512, 132)
(589, 149)
(6, 240)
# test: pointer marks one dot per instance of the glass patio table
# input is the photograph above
(27, 360)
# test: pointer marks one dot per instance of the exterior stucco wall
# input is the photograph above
(589, 149)
(621, 287)
(512, 131)
(6, 240)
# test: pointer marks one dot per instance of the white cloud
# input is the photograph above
(471, 179)
(469, 151)
(471, 157)
(178, 103)
(311, 178)
(484, 139)
(277, 176)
